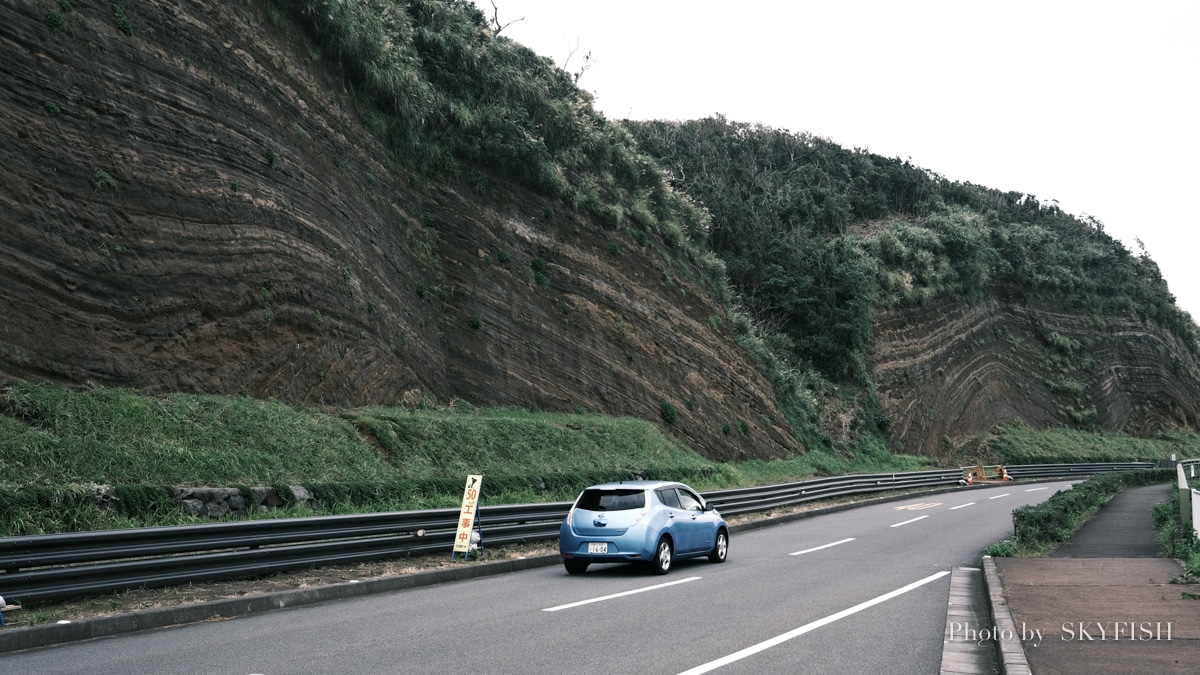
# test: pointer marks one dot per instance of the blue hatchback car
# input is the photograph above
(644, 521)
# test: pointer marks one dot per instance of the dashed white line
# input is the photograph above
(810, 550)
(913, 520)
(779, 639)
(999, 496)
(961, 506)
(618, 595)
(1036, 489)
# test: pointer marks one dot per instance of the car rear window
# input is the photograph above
(611, 500)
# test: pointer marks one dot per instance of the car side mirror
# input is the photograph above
(709, 506)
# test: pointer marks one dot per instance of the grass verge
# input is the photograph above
(63, 452)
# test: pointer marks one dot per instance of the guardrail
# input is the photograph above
(56, 566)
(1191, 467)
(1056, 470)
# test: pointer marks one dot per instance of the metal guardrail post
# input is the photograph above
(1186, 500)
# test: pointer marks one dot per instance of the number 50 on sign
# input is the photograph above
(466, 517)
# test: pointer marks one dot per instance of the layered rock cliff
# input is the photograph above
(195, 200)
(948, 372)
(191, 203)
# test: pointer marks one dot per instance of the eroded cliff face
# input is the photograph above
(949, 372)
(194, 205)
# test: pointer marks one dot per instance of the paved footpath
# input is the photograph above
(1103, 602)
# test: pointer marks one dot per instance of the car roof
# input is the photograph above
(635, 484)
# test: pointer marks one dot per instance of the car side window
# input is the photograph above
(667, 496)
(689, 501)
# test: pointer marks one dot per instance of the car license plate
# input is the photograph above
(597, 547)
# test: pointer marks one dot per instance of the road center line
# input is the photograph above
(999, 496)
(913, 520)
(779, 639)
(1036, 489)
(961, 506)
(618, 595)
(810, 550)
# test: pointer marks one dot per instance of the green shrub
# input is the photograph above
(668, 412)
(1005, 548)
(105, 182)
(1163, 514)
(537, 268)
(122, 20)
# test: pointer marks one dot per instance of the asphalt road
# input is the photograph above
(859, 591)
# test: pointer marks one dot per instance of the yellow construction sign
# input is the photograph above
(466, 517)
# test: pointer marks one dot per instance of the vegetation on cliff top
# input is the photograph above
(815, 237)
(451, 96)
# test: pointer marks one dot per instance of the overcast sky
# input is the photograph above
(1092, 104)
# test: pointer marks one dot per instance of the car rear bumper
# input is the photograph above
(627, 548)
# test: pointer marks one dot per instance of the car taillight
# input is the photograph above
(571, 517)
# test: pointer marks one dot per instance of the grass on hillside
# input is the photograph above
(1017, 444)
(62, 451)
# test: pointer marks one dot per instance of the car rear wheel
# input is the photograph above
(721, 548)
(662, 557)
(575, 566)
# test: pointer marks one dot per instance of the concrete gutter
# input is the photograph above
(1009, 651)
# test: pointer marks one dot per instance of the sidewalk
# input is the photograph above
(1102, 603)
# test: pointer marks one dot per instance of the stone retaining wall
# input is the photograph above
(221, 502)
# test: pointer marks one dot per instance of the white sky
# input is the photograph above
(1092, 104)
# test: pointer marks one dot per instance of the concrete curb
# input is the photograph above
(87, 629)
(1009, 651)
(15, 639)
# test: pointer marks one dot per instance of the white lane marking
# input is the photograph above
(999, 496)
(779, 639)
(1036, 489)
(961, 506)
(810, 550)
(917, 507)
(909, 521)
(618, 595)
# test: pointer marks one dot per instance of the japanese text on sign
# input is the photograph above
(466, 517)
